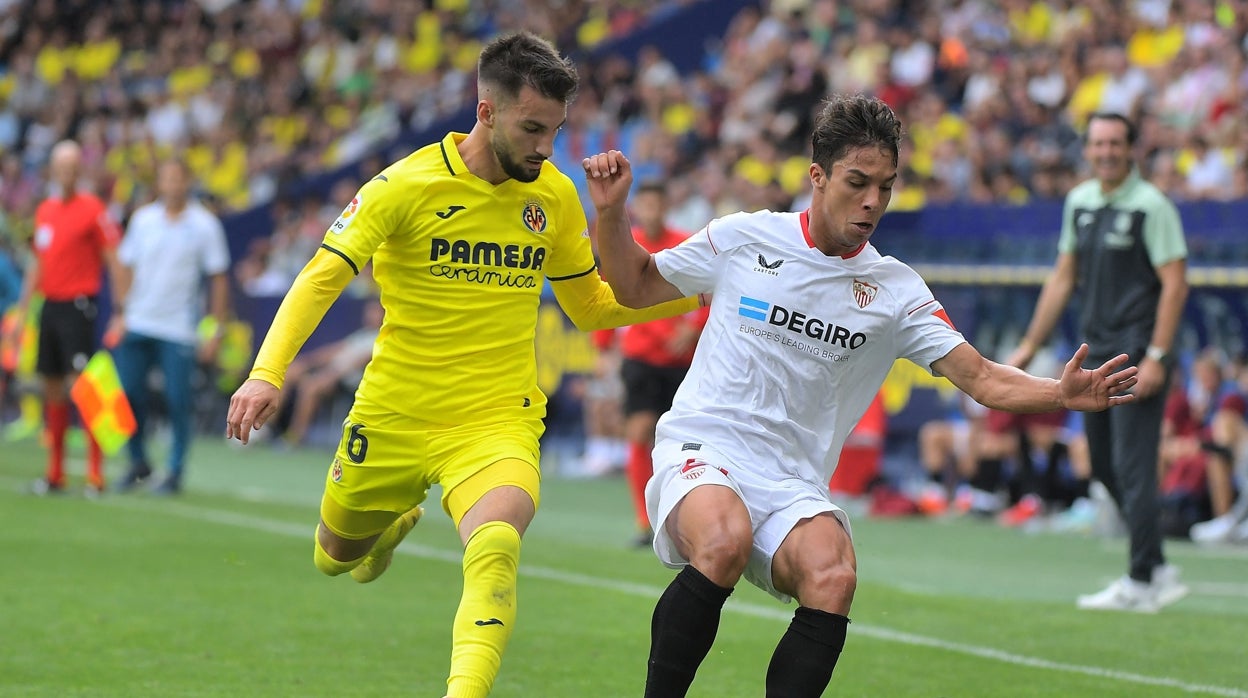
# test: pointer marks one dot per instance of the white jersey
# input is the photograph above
(797, 345)
(169, 258)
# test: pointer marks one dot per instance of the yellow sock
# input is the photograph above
(487, 609)
(329, 565)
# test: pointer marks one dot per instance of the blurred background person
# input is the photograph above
(75, 239)
(171, 247)
(655, 356)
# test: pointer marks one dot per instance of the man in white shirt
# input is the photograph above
(170, 247)
(806, 321)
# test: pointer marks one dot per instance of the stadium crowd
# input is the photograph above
(258, 95)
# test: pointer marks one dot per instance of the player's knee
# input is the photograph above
(722, 555)
(334, 556)
(829, 587)
(494, 545)
(330, 566)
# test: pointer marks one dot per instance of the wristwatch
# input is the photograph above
(1157, 354)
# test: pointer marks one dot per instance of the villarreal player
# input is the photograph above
(463, 235)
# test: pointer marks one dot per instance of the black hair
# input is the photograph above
(514, 60)
(1132, 132)
(653, 186)
(845, 123)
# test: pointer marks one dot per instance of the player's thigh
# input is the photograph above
(709, 517)
(376, 475)
(506, 490)
(816, 564)
(697, 508)
(474, 461)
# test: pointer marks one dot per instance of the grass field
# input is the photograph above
(214, 594)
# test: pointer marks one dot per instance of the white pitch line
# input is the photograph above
(284, 528)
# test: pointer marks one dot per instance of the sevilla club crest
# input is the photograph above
(864, 292)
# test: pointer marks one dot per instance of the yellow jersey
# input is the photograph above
(461, 264)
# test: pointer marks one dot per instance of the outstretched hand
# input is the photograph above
(609, 176)
(1093, 390)
(251, 406)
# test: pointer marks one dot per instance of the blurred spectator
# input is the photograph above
(655, 356)
(171, 247)
(261, 95)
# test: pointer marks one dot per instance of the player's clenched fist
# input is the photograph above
(609, 177)
(251, 406)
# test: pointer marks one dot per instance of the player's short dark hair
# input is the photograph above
(845, 123)
(1132, 132)
(512, 61)
(653, 186)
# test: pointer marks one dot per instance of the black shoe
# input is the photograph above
(645, 539)
(137, 474)
(168, 487)
(42, 487)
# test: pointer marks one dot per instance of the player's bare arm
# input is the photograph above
(1007, 388)
(1053, 298)
(626, 265)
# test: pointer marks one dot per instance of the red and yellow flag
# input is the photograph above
(102, 403)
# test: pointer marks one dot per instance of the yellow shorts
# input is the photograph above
(378, 474)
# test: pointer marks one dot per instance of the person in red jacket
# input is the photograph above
(655, 356)
(75, 237)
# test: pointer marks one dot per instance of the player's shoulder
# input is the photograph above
(414, 169)
(1149, 194)
(892, 273)
(146, 213)
(203, 216)
(744, 228)
(1087, 189)
(89, 202)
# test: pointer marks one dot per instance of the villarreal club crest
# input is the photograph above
(534, 217)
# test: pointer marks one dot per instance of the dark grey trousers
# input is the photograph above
(1123, 447)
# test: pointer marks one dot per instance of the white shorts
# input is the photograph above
(775, 506)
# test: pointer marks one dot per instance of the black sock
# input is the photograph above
(987, 475)
(1081, 488)
(803, 662)
(682, 631)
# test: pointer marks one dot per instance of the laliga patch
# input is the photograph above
(347, 215)
(335, 472)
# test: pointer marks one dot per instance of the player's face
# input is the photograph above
(648, 210)
(1107, 151)
(65, 166)
(524, 133)
(848, 201)
(174, 185)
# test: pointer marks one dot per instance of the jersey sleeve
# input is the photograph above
(128, 249)
(216, 252)
(368, 220)
(107, 230)
(571, 255)
(925, 333)
(1163, 233)
(1066, 240)
(694, 265)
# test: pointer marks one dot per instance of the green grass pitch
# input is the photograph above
(214, 594)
